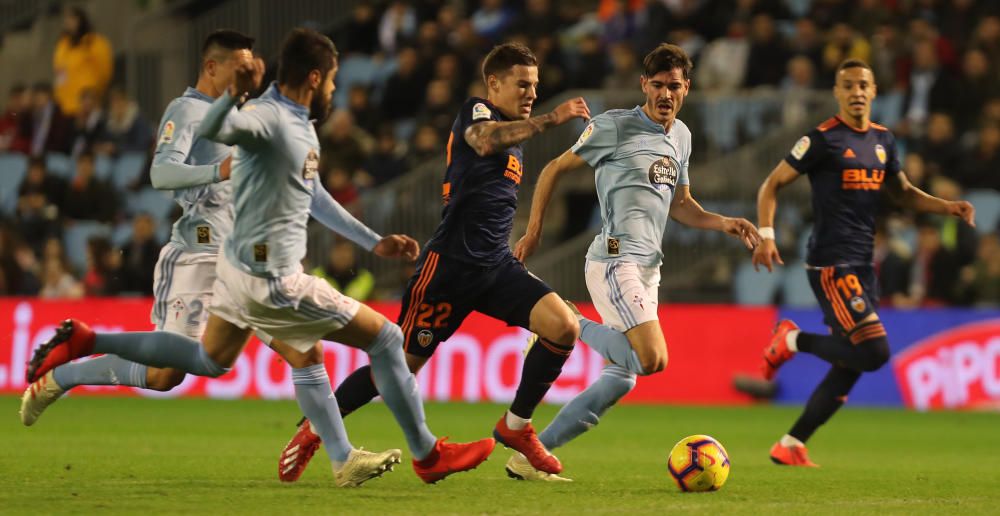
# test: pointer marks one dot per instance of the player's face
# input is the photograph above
(322, 100)
(855, 90)
(222, 66)
(515, 91)
(665, 94)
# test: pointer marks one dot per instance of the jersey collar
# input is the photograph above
(849, 126)
(650, 122)
(195, 94)
(274, 93)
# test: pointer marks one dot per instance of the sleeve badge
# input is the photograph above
(801, 147)
(481, 112)
(167, 135)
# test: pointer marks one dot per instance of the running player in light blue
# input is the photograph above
(641, 158)
(261, 283)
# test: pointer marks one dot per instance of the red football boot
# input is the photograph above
(73, 339)
(791, 456)
(448, 458)
(298, 452)
(526, 441)
(777, 353)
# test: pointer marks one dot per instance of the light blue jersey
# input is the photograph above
(189, 166)
(638, 169)
(275, 178)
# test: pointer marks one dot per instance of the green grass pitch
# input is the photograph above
(127, 455)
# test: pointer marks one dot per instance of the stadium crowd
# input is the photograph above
(406, 66)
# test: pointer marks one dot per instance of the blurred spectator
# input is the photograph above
(439, 110)
(450, 68)
(591, 65)
(935, 269)
(930, 89)
(139, 256)
(386, 162)
(981, 166)
(913, 165)
(87, 197)
(491, 19)
(618, 20)
(957, 237)
(29, 271)
(892, 266)
(339, 182)
(888, 49)
(38, 204)
(342, 272)
(806, 41)
(88, 125)
(398, 24)
(724, 61)
(625, 70)
(360, 34)
(987, 38)
(979, 284)
(15, 123)
(922, 28)
(797, 91)
(552, 76)
(538, 19)
(344, 144)
(430, 42)
(359, 103)
(868, 15)
(767, 58)
(404, 90)
(843, 43)
(126, 129)
(58, 283)
(978, 83)
(82, 60)
(51, 130)
(940, 148)
(104, 274)
(426, 146)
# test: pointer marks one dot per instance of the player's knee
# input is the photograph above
(565, 332)
(653, 363)
(163, 380)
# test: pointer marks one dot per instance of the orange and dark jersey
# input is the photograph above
(479, 193)
(848, 169)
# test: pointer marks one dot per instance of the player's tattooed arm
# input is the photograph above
(492, 137)
(906, 193)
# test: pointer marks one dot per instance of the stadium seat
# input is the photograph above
(75, 240)
(987, 203)
(59, 165)
(13, 168)
(151, 201)
(128, 168)
(752, 287)
(795, 289)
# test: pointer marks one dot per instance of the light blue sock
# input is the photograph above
(585, 410)
(398, 388)
(160, 349)
(610, 344)
(106, 370)
(317, 402)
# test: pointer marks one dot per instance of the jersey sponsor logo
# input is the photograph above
(863, 179)
(614, 246)
(310, 169)
(849, 153)
(880, 154)
(167, 135)
(481, 112)
(204, 234)
(858, 304)
(424, 338)
(586, 134)
(663, 173)
(801, 147)
(514, 169)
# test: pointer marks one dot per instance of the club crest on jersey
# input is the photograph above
(178, 307)
(424, 338)
(880, 153)
(858, 305)
(310, 169)
(801, 147)
(167, 135)
(663, 173)
(481, 112)
(586, 133)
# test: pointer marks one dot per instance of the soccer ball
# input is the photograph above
(698, 463)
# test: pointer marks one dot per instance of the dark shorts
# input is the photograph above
(443, 291)
(847, 294)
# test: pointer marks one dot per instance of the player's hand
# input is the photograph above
(572, 108)
(397, 246)
(767, 255)
(526, 246)
(963, 210)
(259, 69)
(247, 77)
(742, 229)
(226, 168)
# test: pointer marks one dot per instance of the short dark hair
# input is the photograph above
(17, 89)
(852, 63)
(36, 161)
(505, 56)
(664, 58)
(303, 51)
(86, 154)
(84, 26)
(228, 39)
(43, 87)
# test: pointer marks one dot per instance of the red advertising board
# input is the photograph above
(956, 368)
(482, 362)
